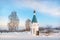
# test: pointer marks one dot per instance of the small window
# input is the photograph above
(33, 31)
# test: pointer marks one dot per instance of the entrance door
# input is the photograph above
(37, 32)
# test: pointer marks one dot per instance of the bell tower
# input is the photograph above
(35, 26)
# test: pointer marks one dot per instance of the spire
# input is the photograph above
(34, 20)
(34, 12)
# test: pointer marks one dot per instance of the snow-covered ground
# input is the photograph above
(28, 36)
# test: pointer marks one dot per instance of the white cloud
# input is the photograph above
(43, 6)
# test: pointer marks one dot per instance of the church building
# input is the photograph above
(35, 25)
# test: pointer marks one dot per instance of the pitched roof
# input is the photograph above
(34, 20)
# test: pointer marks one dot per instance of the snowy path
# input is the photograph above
(27, 36)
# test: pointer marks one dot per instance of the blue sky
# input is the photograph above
(47, 12)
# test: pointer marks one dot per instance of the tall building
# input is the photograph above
(14, 22)
(28, 24)
(35, 25)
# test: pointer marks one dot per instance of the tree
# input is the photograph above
(14, 22)
(28, 24)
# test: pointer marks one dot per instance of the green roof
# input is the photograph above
(34, 20)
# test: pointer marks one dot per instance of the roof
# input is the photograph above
(34, 20)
